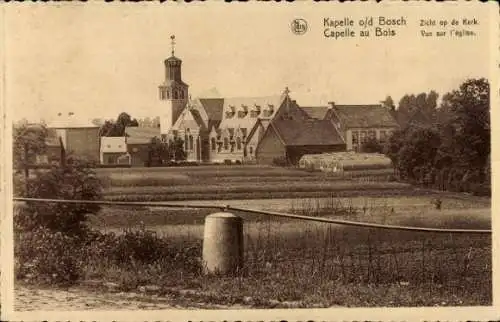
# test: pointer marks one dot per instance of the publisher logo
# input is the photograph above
(299, 26)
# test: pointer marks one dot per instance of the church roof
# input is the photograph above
(315, 112)
(300, 132)
(214, 108)
(363, 116)
(239, 104)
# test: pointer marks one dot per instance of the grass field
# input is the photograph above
(291, 263)
(307, 264)
(246, 182)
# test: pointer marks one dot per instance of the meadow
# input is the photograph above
(245, 182)
(289, 263)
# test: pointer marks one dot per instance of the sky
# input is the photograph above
(98, 60)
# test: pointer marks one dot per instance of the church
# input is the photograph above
(256, 129)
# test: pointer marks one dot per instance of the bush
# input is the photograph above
(227, 162)
(142, 247)
(45, 257)
(77, 180)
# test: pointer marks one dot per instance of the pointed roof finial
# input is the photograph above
(287, 91)
(172, 42)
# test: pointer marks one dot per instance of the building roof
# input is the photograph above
(141, 135)
(70, 122)
(213, 107)
(364, 116)
(315, 112)
(113, 144)
(306, 132)
(250, 103)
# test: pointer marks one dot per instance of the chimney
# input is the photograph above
(331, 105)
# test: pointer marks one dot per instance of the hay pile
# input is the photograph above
(344, 161)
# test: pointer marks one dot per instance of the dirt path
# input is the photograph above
(30, 299)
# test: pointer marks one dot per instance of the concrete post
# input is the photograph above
(223, 243)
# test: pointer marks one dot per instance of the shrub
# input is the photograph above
(227, 162)
(76, 180)
(46, 257)
(143, 247)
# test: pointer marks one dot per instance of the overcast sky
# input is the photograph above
(100, 60)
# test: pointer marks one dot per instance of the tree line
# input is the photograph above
(452, 150)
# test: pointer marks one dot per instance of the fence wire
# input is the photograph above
(260, 212)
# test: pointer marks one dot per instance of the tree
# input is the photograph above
(418, 151)
(28, 142)
(115, 129)
(465, 128)
(158, 152)
(389, 103)
(372, 145)
(76, 180)
(177, 149)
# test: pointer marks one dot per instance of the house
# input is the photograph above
(114, 150)
(359, 123)
(137, 140)
(78, 136)
(290, 139)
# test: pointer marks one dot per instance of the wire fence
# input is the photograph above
(288, 255)
(259, 212)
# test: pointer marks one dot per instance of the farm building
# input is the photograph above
(114, 150)
(138, 140)
(344, 161)
(78, 136)
(359, 123)
(290, 139)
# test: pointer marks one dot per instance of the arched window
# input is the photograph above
(185, 142)
(191, 144)
(168, 94)
(213, 144)
(175, 94)
(182, 94)
(226, 143)
(238, 143)
(250, 151)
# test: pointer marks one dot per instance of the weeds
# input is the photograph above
(300, 263)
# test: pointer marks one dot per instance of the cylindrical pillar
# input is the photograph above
(223, 243)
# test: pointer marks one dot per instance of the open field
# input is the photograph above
(289, 263)
(246, 182)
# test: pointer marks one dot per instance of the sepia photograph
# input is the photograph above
(247, 161)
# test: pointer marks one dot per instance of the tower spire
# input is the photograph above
(172, 42)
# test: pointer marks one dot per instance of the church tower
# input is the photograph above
(173, 92)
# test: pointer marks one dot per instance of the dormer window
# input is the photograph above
(269, 110)
(255, 111)
(230, 111)
(243, 111)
